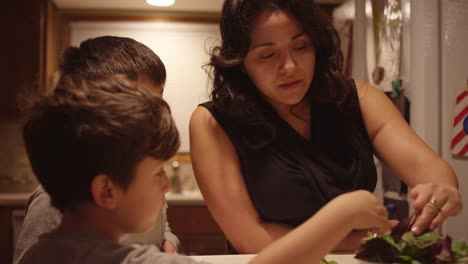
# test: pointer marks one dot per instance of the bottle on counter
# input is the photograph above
(176, 186)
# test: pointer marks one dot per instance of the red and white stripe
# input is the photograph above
(459, 143)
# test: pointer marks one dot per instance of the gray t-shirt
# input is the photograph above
(42, 218)
(66, 246)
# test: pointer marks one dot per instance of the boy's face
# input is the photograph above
(141, 203)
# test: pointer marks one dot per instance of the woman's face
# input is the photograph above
(281, 59)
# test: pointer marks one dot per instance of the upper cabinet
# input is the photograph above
(22, 27)
(28, 49)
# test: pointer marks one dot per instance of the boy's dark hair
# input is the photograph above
(95, 124)
(114, 55)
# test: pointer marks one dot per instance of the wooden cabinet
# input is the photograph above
(22, 27)
(197, 230)
(28, 49)
(7, 233)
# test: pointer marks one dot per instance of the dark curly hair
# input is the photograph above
(235, 95)
(93, 124)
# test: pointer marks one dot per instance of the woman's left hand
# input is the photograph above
(433, 204)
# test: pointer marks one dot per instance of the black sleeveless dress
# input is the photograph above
(291, 178)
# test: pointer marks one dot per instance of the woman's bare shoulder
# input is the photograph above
(203, 118)
(203, 125)
(364, 89)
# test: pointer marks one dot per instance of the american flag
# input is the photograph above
(459, 143)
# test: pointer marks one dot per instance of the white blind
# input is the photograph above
(182, 46)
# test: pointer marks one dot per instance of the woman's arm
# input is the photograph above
(218, 173)
(410, 158)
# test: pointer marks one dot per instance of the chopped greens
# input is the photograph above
(424, 240)
(402, 246)
(459, 249)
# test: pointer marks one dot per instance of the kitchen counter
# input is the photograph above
(184, 198)
(244, 259)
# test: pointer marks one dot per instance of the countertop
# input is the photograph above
(244, 259)
(184, 198)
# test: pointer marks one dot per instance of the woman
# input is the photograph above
(285, 132)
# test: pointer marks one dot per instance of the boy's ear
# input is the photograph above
(105, 193)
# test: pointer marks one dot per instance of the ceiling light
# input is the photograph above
(160, 2)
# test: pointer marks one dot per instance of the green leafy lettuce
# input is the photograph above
(402, 246)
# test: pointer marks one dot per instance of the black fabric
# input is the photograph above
(291, 178)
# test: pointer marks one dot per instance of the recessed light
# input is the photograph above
(160, 2)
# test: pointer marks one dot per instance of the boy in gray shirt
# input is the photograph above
(105, 55)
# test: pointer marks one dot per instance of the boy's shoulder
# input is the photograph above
(60, 246)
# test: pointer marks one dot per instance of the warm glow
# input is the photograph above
(160, 2)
